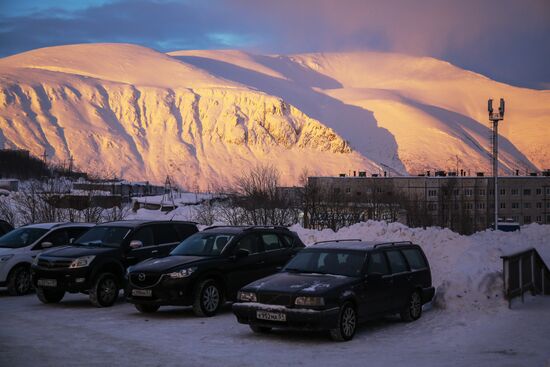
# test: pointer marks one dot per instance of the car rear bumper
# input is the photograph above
(295, 318)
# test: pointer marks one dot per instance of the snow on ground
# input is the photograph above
(75, 333)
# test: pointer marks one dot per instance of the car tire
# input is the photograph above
(347, 323)
(104, 292)
(413, 309)
(143, 308)
(208, 298)
(260, 329)
(49, 295)
(19, 281)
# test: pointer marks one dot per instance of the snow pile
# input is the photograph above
(466, 270)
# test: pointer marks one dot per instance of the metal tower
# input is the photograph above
(495, 117)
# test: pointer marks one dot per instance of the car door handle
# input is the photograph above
(154, 251)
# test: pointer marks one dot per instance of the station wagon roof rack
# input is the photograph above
(393, 243)
(342, 240)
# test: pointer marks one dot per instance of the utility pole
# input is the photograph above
(495, 117)
(45, 156)
(71, 160)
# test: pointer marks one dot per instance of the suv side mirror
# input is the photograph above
(135, 244)
(46, 244)
(241, 253)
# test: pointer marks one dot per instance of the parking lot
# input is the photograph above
(76, 333)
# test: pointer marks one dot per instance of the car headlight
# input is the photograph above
(183, 273)
(5, 257)
(247, 297)
(309, 301)
(82, 262)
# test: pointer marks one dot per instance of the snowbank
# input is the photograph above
(466, 270)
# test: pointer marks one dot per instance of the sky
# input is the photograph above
(506, 40)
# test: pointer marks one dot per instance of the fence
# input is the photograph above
(525, 271)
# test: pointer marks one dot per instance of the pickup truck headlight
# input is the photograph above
(247, 297)
(183, 273)
(82, 262)
(309, 301)
(5, 257)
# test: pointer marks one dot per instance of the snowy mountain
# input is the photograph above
(204, 116)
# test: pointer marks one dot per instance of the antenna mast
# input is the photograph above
(495, 117)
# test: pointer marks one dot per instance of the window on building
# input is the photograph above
(491, 192)
(514, 191)
(502, 205)
(527, 205)
(548, 219)
(539, 205)
(548, 204)
(469, 205)
(539, 219)
(456, 192)
(432, 206)
(480, 205)
(348, 190)
(468, 192)
(539, 191)
(481, 192)
(548, 191)
(515, 205)
(527, 219)
(526, 191)
(432, 193)
(358, 193)
(515, 218)
(502, 191)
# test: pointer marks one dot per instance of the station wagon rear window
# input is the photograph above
(415, 259)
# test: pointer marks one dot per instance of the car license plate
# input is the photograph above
(47, 282)
(142, 292)
(270, 316)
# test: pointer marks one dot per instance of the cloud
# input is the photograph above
(504, 39)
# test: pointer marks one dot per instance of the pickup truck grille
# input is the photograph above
(54, 263)
(275, 299)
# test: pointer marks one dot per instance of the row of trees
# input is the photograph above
(40, 202)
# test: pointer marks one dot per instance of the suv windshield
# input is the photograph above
(103, 236)
(202, 244)
(21, 237)
(348, 263)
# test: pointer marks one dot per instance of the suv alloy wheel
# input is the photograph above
(208, 298)
(19, 281)
(105, 290)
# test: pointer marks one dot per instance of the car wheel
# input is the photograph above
(260, 329)
(208, 298)
(347, 324)
(104, 291)
(49, 295)
(413, 309)
(19, 281)
(146, 308)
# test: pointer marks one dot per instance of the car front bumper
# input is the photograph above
(295, 318)
(69, 280)
(167, 292)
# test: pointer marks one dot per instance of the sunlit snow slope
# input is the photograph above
(204, 116)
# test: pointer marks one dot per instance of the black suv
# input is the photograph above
(210, 267)
(96, 262)
(335, 285)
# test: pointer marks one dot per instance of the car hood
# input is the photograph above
(78, 251)
(7, 251)
(303, 283)
(166, 263)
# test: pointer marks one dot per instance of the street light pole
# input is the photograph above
(495, 117)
